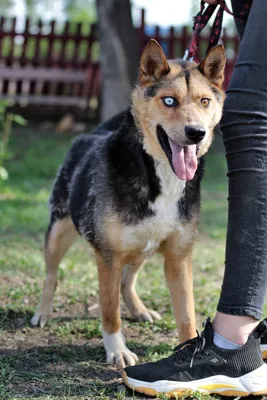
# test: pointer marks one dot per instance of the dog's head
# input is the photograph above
(176, 105)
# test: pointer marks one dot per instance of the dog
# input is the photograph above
(132, 188)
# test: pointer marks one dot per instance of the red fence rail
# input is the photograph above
(47, 44)
(56, 64)
(49, 64)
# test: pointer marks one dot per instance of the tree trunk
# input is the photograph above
(119, 54)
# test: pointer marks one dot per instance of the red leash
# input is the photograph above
(202, 18)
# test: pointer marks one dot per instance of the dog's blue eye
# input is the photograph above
(169, 101)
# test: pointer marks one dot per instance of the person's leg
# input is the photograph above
(244, 127)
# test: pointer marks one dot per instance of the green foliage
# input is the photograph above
(6, 121)
(80, 11)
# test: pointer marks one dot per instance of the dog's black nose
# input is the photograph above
(195, 133)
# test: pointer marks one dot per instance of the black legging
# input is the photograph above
(244, 127)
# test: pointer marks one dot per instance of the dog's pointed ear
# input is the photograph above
(213, 65)
(153, 63)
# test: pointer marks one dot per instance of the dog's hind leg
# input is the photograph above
(131, 298)
(109, 295)
(60, 236)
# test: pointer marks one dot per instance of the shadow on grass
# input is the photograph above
(56, 370)
(12, 319)
(65, 370)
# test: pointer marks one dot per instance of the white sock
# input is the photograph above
(223, 343)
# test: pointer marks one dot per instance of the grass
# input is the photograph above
(66, 360)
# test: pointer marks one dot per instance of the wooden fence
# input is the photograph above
(49, 64)
(56, 64)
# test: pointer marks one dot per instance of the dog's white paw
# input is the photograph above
(40, 319)
(148, 316)
(117, 351)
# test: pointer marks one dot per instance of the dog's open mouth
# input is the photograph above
(183, 159)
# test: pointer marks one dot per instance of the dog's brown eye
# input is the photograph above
(205, 102)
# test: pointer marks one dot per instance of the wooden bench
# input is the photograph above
(50, 86)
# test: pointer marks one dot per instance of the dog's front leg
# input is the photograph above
(109, 292)
(178, 273)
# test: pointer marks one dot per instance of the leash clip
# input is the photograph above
(186, 54)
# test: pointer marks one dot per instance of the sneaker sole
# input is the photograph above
(254, 383)
(264, 351)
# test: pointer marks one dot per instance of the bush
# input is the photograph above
(6, 121)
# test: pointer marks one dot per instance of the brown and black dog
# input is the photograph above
(132, 187)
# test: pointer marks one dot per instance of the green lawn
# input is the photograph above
(66, 359)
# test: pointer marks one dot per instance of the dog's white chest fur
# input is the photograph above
(149, 234)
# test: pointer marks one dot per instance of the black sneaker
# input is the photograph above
(199, 365)
(264, 346)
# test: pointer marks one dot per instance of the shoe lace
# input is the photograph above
(190, 349)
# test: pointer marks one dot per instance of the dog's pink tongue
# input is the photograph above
(184, 160)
